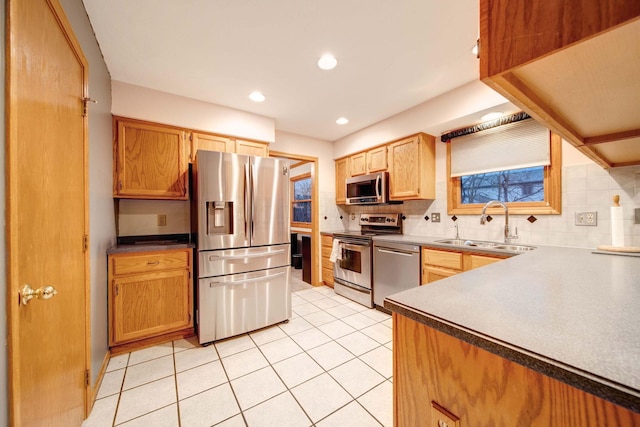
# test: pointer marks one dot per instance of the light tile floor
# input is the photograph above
(330, 365)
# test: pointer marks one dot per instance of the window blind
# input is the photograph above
(513, 146)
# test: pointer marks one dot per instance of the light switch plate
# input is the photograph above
(435, 217)
(162, 220)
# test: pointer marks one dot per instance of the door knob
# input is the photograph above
(43, 292)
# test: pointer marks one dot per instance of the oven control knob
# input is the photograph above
(365, 219)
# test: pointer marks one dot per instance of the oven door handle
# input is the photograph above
(255, 255)
(354, 246)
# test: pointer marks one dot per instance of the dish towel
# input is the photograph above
(336, 252)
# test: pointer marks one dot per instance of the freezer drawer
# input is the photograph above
(234, 261)
(232, 305)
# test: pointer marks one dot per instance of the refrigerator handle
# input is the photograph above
(251, 196)
(246, 200)
(254, 279)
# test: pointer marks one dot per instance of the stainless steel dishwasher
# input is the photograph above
(396, 267)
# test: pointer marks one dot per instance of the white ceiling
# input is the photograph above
(392, 54)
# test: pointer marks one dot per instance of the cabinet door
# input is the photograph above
(412, 168)
(327, 265)
(151, 162)
(358, 164)
(377, 159)
(250, 148)
(341, 181)
(146, 305)
(405, 174)
(203, 141)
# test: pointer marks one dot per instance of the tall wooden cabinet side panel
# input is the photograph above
(482, 388)
(327, 265)
(150, 161)
(341, 166)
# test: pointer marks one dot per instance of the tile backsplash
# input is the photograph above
(585, 187)
(140, 217)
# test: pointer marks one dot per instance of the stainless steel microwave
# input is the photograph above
(368, 189)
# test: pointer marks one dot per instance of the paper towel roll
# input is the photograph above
(617, 226)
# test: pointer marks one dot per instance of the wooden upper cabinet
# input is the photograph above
(377, 159)
(572, 65)
(358, 164)
(209, 142)
(412, 168)
(341, 178)
(151, 161)
(251, 148)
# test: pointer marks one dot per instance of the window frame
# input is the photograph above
(551, 205)
(292, 180)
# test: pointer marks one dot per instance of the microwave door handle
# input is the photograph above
(378, 189)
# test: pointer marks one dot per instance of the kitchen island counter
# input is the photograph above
(564, 312)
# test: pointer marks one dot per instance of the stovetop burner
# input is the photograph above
(375, 225)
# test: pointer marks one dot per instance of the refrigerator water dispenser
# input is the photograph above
(219, 218)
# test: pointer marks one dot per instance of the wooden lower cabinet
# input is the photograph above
(327, 266)
(439, 264)
(483, 389)
(150, 294)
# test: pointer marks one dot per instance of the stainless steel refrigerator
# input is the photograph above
(243, 243)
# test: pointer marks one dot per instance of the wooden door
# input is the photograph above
(47, 216)
(150, 161)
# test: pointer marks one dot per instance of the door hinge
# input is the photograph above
(87, 378)
(117, 290)
(86, 242)
(120, 185)
(189, 317)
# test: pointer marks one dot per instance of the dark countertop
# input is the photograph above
(565, 312)
(121, 249)
(157, 242)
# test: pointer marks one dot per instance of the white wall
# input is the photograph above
(431, 117)
(142, 103)
(101, 212)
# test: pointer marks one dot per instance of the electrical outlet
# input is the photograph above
(587, 218)
(162, 220)
(435, 217)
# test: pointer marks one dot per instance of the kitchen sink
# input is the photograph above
(515, 248)
(487, 244)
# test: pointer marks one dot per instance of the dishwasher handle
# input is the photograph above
(396, 252)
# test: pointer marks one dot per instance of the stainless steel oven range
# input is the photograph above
(353, 269)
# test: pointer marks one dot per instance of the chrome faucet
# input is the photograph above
(507, 232)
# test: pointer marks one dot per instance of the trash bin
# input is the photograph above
(296, 261)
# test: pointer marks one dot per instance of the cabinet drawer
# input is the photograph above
(326, 263)
(128, 264)
(326, 240)
(480, 261)
(431, 274)
(326, 252)
(442, 258)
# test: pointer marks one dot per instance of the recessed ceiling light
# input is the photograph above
(327, 62)
(342, 121)
(256, 96)
(492, 116)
